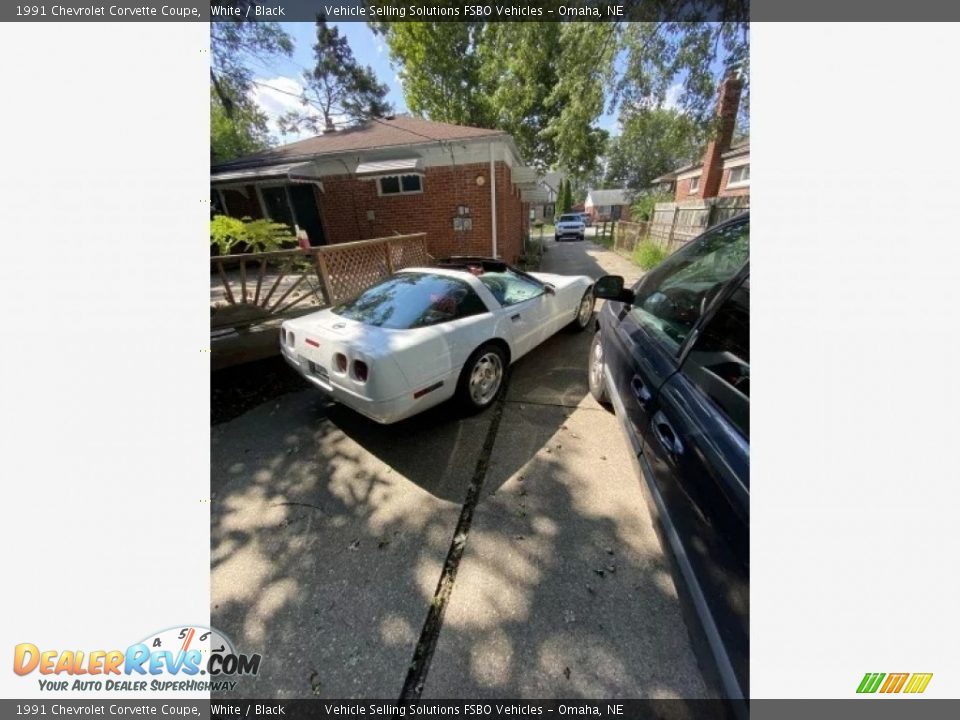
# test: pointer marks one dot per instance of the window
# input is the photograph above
(412, 300)
(671, 298)
(400, 184)
(719, 362)
(510, 288)
(739, 176)
(694, 184)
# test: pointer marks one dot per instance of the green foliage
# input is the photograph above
(653, 142)
(233, 46)
(664, 57)
(542, 82)
(564, 197)
(643, 207)
(237, 126)
(648, 254)
(258, 235)
(338, 86)
(243, 133)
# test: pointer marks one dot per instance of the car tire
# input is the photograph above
(482, 378)
(595, 371)
(584, 312)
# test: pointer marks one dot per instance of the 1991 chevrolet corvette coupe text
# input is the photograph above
(427, 334)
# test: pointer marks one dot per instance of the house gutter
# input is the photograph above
(493, 202)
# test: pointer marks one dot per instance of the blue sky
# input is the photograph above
(283, 75)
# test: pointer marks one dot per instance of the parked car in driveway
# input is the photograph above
(427, 334)
(569, 227)
(672, 356)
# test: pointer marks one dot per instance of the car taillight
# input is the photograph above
(360, 370)
(340, 362)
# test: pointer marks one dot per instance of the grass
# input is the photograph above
(648, 254)
(548, 230)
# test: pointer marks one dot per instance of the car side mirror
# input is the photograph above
(610, 287)
(549, 289)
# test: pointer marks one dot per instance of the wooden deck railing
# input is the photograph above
(258, 287)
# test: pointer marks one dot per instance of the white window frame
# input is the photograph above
(399, 177)
(694, 186)
(731, 183)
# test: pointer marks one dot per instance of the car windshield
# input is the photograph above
(412, 300)
(570, 218)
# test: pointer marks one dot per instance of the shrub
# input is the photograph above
(648, 254)
(258, 235)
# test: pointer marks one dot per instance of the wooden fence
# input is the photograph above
(675, 224)
(256, 291)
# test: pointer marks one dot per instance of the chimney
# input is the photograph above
(727, 106)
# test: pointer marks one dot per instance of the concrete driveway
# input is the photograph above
(345, 551)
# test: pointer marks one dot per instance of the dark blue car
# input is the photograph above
(672, 356)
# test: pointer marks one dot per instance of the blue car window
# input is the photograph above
(671, 298)
(412, 300)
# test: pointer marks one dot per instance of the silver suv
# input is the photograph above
(569, 227)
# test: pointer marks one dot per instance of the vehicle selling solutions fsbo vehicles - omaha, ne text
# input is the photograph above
(672, 355)
(425, 335)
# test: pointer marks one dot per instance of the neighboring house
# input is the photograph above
(543, 202)
(464, 187)
(606, 205)
(724, 170)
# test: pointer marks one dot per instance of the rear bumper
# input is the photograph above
(381, 411)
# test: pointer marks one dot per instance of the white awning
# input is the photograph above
(404, 166)
(302, 171)
(537, 195)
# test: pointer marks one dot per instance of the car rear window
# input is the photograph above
(412, 300)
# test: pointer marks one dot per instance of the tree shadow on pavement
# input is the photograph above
(329, 533)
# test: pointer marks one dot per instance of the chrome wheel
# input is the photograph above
(485, 378)
(595, 371)
(586, 309)
(596, 364)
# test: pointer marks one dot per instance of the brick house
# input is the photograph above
(724, 170)
(465, 187)
(605, 205)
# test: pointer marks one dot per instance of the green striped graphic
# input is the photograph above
(871, 682)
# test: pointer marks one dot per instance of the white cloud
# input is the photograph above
(672, 100)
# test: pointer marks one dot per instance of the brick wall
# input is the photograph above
(731, 192)
(346, 201)
(683, 191)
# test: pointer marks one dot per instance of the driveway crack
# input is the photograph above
(423, 654)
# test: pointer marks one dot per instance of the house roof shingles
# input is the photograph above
(742, 147)
(397, 131)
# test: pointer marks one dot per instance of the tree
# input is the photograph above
(244, 133)
(653, 142)
(337, 87)
(542, 82)
(439, 69)
(565, 201)
(237, 125)
(686, 58)
(233, 45)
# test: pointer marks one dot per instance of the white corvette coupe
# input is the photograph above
(427, 334)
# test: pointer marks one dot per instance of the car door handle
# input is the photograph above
(640, 391)
(667, 435)
(516, 317)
